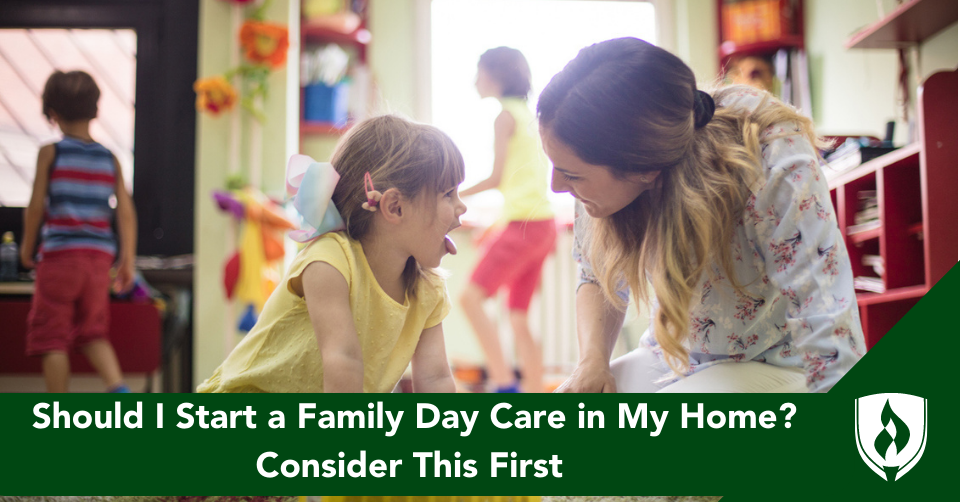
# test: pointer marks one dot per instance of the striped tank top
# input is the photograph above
(78, 211)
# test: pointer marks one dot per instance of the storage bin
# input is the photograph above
(323, 103)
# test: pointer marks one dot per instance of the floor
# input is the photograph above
(78, 383)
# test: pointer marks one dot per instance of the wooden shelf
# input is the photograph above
(316, 34)
(866, 235)
(729, 49)
(322, 128)
(911, 23)
(900, 156)
(892, 295)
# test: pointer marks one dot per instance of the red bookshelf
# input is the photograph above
(917, 196)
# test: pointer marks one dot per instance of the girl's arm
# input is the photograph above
(431, 373)
(503, 129)
(598, 325)
(328, 303)
(33, 214)
(127, 227)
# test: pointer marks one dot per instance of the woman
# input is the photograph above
(718, 203)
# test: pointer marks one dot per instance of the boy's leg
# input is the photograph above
(56, 371)
(93, 313)
(103, 359)
(50, 323)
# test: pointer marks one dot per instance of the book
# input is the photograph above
(866, 215)
(850, 155)
(875, 261)
(871, 284)
(863, 227)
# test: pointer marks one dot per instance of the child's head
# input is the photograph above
(418, 160)
(503, 72)
(70, 96)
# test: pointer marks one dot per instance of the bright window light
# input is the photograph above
(548, 32)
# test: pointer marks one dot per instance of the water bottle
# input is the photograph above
(9, 258)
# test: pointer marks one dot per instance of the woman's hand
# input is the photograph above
(591, 375)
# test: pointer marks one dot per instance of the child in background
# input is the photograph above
(75, 180)
(362, 299)
(515, 257)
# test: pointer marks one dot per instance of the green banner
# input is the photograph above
(841, 444)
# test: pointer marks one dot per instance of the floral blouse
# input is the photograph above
(802, 312)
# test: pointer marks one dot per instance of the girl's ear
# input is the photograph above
(391, 205)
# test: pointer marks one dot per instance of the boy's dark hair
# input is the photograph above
(510, 69)
(72, 95)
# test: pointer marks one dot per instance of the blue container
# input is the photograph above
(323, 103)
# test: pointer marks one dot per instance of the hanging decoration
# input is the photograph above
(215, 95)
(250, 273)
(257, 48)
(264, 46)
(265, 43)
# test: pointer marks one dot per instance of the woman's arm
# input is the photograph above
(328, 303)
(598, 325)
(127, 227)
(503, 129)
(431, 373)
(33, 215)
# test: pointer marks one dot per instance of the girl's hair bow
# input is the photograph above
(311, 184)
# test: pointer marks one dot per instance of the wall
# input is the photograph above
(215, 233)
(855, 91)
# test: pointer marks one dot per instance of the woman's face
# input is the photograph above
(601, 193)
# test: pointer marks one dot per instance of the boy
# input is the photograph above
(75, 181)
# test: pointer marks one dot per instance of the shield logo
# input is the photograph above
(891, 432)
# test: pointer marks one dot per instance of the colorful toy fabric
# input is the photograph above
(250, 274)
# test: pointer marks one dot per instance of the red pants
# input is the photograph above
(514, 259)
(71, 303)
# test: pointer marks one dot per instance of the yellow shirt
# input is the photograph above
(524, 183)
(281, 353)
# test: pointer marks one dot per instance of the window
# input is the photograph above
(548, 32)
(27, 58)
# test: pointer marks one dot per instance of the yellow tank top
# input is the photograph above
(524, 183)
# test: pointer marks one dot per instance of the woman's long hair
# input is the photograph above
(629, 105)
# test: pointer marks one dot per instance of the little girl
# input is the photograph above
(514, 258)
(362, 299)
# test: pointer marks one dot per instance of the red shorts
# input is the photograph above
(514, 259)
(71, 302)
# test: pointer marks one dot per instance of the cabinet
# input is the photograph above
(916, 189)
(916, 185)
(348, 29)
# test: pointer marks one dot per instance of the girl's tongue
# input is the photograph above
(448, 242)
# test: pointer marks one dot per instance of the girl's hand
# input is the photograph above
(591, 375)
